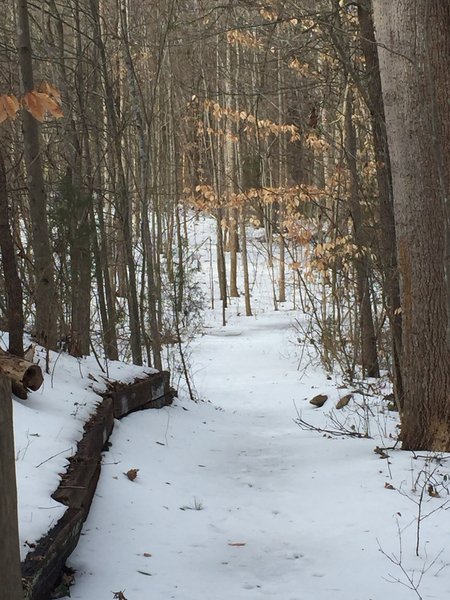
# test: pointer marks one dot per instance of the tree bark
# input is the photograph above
(387, 241)
(414, 45)
(44, 293)
(369, 354)
(13, 286)
(9, 539)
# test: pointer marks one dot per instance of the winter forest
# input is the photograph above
(250, 198)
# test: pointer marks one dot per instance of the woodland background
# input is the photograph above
(289, 116)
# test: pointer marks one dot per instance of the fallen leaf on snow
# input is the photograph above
(132, 474)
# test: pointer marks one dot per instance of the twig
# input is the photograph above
(342, 431)
(54, 455)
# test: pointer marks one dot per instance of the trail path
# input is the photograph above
(232, 500)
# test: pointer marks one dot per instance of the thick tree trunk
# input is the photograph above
(414, 45)
(9, 539)
(13, 286)
(44, 293)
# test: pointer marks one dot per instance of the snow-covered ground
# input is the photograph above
(47, 427)
(234, 501)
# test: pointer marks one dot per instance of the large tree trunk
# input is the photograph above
(9, 539)
(44, 293)
(414, 45)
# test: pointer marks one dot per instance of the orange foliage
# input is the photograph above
(46, 100)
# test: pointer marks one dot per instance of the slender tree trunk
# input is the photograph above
(9, 539)
(44, 293)
(124, 212)
(143, 129)
(414, 45)
(387, 240)
(369, 355)
(248, 307)
(13, 286)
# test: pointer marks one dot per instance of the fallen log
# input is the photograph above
(24, 374)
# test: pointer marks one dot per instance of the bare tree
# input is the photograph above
(44, 293)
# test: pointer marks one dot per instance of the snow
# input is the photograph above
(233, 500)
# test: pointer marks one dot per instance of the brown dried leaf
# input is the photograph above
(40, 104)
(432, 491)
(50, 90)
(319, 400)
(389, 486)
(344, 401)
(132, 474)
(3, 113)
(9, 105)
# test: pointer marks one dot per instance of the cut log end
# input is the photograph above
(33, 378)
(23, 373)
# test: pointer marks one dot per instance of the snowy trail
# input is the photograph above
(305, 511)
(224, 462)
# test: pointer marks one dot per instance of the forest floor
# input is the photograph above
(234, 501)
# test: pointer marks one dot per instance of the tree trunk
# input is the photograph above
(13, 286)
(9, 540)
(248, 306)
(44, 293)
(387, 242)
(414, 45)
(369, 355)
(123, 208)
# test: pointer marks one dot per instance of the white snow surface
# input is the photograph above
(233, 500)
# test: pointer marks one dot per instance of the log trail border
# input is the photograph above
(43, 568)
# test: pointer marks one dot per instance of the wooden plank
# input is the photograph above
(11, 587)
(152, 392)
(77, 488)
(42, 568)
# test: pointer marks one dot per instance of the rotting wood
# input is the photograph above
(130, 398)
(42, 568)
(23, 373)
